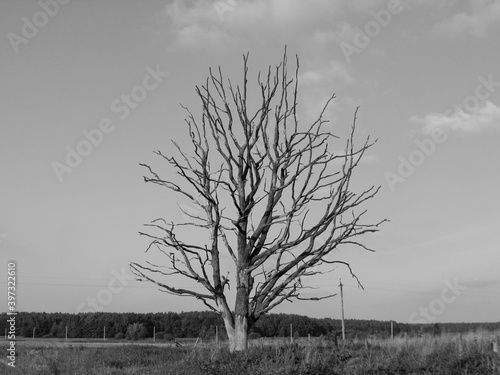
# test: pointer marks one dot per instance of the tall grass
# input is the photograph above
(452, 355)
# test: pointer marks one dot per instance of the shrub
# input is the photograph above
(254, 335)
(136, 331)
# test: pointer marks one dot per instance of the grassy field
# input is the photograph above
(473, 354)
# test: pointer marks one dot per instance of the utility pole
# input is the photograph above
(104, 337)
(392, 330)
(66, 332)
(154, 333)
(342, 303)
(291, 333)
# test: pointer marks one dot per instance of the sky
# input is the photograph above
(89, 89)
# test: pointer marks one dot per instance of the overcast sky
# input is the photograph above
(425, 74)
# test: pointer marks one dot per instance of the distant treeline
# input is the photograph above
(203, 324)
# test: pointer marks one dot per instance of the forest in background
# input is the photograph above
(170, 325)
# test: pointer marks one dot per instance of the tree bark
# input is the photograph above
(237, 332)
(241, 333)
(240, 342)
(231, 334)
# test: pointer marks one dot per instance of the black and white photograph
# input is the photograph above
(250, 187)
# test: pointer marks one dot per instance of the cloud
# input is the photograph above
(208, 21)
(333, 35)
(483, 15)
(371, 159)
(194, 23)
(198, 22)
(335, 71)
(316, 85)
(483, 118)
(479, 283)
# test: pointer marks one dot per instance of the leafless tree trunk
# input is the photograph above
(273, 199)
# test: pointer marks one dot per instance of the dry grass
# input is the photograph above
(473, 354)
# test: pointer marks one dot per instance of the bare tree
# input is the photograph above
(273, 198)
